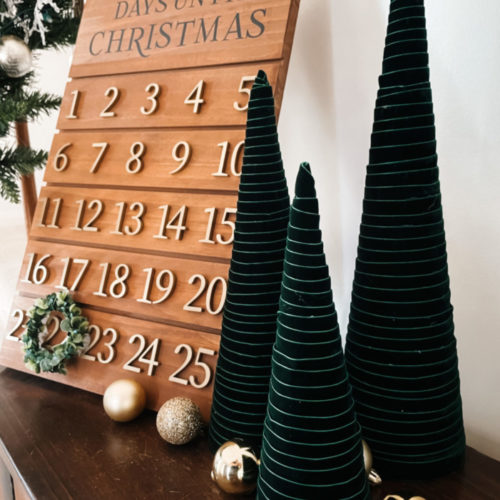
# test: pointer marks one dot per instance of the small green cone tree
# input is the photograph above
(401, 350)
(312, 441)
(249, 319)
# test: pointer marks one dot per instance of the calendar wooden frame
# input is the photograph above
(137, 213)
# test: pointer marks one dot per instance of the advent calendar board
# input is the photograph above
(137, 213)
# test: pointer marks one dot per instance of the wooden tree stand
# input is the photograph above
(28, 187)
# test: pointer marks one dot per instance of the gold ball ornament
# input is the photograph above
(373, 476)
(124, 400)
(179, 421)
(235, 468)
(15, 56)
(367, 456)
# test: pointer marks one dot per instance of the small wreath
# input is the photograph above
(53, 359)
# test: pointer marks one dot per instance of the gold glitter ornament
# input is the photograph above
(179, 421)
(235, 468)
(15, 56)
(124, 400)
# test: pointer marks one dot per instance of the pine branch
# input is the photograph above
(23, 159)
(4, 127)
(35, 103)
(28, 105)
(9, 190)
(10, 86)
(15, 162)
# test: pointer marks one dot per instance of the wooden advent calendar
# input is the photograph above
(137, 213)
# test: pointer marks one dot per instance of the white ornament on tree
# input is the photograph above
(11, 10)
(38, 25)
(19, 20)
(15, 56)
(13, 14)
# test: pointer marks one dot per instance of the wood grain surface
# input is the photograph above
(96, 283)
(62, 446)
(124, 35)
(164, 153)
(92, 372)
(219, 93)
(137, 214)
(110, 217)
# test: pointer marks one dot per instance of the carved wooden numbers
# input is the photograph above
(137, 214)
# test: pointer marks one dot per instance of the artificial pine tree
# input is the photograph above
(312, 441)
(37, 24)
(249, 318)
(401, 350)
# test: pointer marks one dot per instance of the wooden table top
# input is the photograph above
(61, 445)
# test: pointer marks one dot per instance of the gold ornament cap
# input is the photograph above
(179, 421)
(124, 400)
(235, 468)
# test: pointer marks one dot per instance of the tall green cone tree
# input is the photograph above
(312, 441)
(42, 24)
(401, 349)
(249, 319)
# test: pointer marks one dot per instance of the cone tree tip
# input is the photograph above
(261, 79)
(406, 3)
(304, 185)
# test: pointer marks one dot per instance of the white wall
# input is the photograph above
(326, 120)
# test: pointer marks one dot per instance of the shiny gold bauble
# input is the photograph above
(367, 456)
(235, 468)
(15, 56)
(179, 421)
(124, 400)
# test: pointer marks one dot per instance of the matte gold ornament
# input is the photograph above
(235, 468)
(15, 56)
(179, 421)
(124, 400)
(373, 476)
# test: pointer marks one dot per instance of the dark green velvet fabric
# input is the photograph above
(400, 350)
(249, 319)
(312, 442)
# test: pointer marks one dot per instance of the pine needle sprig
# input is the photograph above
(15, 162)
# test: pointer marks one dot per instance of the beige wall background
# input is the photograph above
(327, 119)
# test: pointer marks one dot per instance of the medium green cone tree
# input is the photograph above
(249, 319)
(401, 349)
(312, 441)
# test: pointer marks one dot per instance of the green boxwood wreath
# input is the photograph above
(53, 359)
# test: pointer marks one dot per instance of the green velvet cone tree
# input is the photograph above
(249, 320)
(401, 350)
(312, 441)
